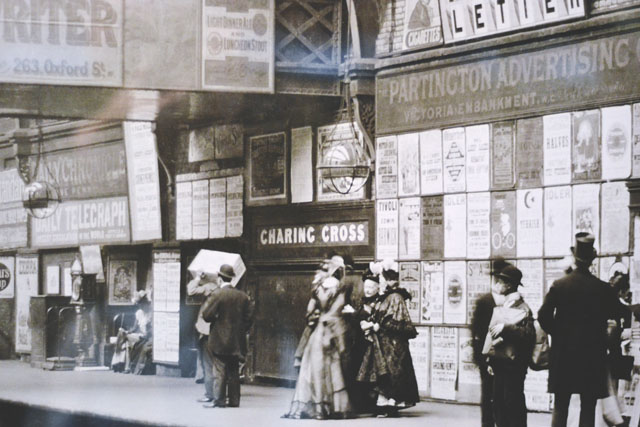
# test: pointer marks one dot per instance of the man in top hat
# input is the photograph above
(230, 314)
(575, 313)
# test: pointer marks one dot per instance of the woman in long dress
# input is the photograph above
(134, 347)
(321, 391)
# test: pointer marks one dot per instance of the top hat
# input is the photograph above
(511, 274)
(583, 249)
(226, 271)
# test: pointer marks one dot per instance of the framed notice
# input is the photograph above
(557, 149)
(557, 221)
(432, 227)
(422, 24)
(409, 223)
(616, 221)
(431, 162)
(26, 287)
(586, 210)
(268, 169)
(478, 157)
(455, 225)
(122, 281)
(200, 209)
(478, 283)
(419, 347)
(409, 164)
(616, 142)
(333, 148)
(301, 165)
(217, 208)
(454, 160)
(387, 229)
(503, 224)
(166, 337)
(635, 135)
(166, 281)
(532, 289)
(7, 277)
(529, 162)
(184, 219)
(530, 222)
(410, 280)
(235, 221)
(52, 284)
(478, 225)
(432, 298)
(444, 362)
(455, 292)
(502, 171)
(386, 167)
(586, 164)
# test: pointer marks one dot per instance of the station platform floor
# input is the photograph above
(36, 397)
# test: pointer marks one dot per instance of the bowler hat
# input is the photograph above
(226, 271)
(583, 249)
(511, 274)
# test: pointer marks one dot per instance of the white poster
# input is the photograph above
(616, 142)
(431, 162)
(52, 285)
(553, 270)
(478, 155)
(432, 292)
(409, 164)
(301, 165)
(455, 225)
(530, 223)
(557, 221)
(166, 337)
(532, 289)
(410, 280)
(586, 210)
(468, 372)
(184, 211)
(615, 218)
(455, 292)
(235, 193)
(478, 225)
(609, 265)
(535, 391)
(387, 229)
(419, 348)
(636, 140)
(444, 362)
(7, 278)
(386, 167)
(478, 284)
(409, 222)
(557, 149)
(217, 208)
(200, 209)
(454, 160)
(67, 281)
(26, 287)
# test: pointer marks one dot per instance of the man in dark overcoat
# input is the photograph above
(230, 314)
(575, 313)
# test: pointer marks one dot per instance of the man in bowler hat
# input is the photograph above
(230, 314)
(575, 313)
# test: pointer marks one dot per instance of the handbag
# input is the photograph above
(540, 355)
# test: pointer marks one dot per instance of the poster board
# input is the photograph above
(166, 306)
(26, 287)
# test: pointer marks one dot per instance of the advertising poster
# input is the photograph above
(301, 165)
(432, 300)
(478, 157)
(557, 221)
(217, 208)
(200, 209)
(268, 168)
(387, 229)
(235, 193)
(478, 283)
(410, 280)
(67, 281)
(422, 25)
(468, 372)
(553, 270)
(503, 224)
(166, 285)
(184, 209)
(530, 222)
(616, 142)
(610, 264)
(386, 167)
(166, 337)
(586, 146)
(532, 289)
(238, 41)
(455, 225)
(636, 140)
(444, 362)
(432, 227)
(419, 347)
(331, 143)
(409, 222)
(502, 173)
(13, 217)
(535, 391)
(431, 170)
(454, 160)
(557, 149)
(478, 225)
(7, 277)
(455, 293)
(529, 161)
(615, 218)
(409, 164)
(26, 287)
(586, 210)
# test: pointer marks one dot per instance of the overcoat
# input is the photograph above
(575, 313)
(230, 313)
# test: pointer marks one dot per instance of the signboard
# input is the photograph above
(470, 19)
(386, 167)
(26, 287)
(238, 45)
(387, 229)
(422, 24)
(268, 168)
(7, 278)
(74, 43)
(313, 235)
(509, 86)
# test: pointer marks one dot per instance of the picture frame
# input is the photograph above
(122, 281)
(268, 169)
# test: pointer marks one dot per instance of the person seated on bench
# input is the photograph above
(133, 351)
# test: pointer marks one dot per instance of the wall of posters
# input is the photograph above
(478, 225)
(7, 277)
(502, 171)
(217, 208)
(409, 164)
(331, 150)
(421, 24)
(432, 299)
(431, 166)
(410, 280)
(616, 142)
(200, 209)
(636, 140)
(122, 281)
(235, 192)
(387, 229)
(532, 289)
(444, 362)
(586, 164)
(26, 287)
(530, 223)
(419, 348)
(184, 209)
(478, 157)
(455, 294)
(586, 210)
(557, 221)
(432, 227)
(478, 283)
(529, 162)
(301, 165)
(268, 168)
(468, 372)
(409, 223)
(454, 160)
(615, 218)
(386, 167)
(503, 224)
(557, 149)
(455, 225)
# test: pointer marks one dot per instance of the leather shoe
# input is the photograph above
(200, 381)
(205, 399)
(212, 405)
